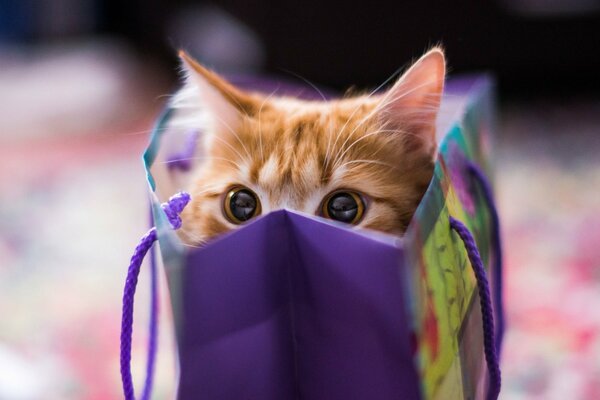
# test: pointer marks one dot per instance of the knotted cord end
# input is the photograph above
(174, 207)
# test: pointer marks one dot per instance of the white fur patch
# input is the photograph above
(269, 171)
(200, 106)
(190, 112)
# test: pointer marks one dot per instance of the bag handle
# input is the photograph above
(172, 209)
(175, 206)
(486, 188)
(485, 302)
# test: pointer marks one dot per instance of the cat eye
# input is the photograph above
(241, 204)
(344, 206)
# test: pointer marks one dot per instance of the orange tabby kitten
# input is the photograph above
(363, 160)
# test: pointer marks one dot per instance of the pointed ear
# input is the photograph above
(224, 103)
(413, 102)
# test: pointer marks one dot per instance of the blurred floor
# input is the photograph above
(72, 207)
(549, 175)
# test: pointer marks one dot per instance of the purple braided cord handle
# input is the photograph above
(485, 301)
(488, 197)
(153, 325)
(172, 209)
(127, 316)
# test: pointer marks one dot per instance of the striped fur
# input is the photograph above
(292, 153)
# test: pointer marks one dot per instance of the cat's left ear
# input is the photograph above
(412, 104)
(223, 103)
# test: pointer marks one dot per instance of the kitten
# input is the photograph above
(364, 160)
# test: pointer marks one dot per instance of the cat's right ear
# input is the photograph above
(221, 103)
(412, 104)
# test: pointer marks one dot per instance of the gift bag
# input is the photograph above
(293, 306)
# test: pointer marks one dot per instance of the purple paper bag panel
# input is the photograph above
(291, 307)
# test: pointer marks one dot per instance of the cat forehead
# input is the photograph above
(345, 107)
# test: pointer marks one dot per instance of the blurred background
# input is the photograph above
(81, 82)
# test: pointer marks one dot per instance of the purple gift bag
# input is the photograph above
(293, 306)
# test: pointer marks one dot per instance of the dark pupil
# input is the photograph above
(342, 207)
(243, 205)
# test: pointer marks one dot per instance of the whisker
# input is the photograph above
(308, 82)
(176, 160)
(377, 108)
(346, 123)
(234, 134)
(376, 162)
(386, 100)
(341, 156)
(210, 189)
(364, 119)
(194, 246)
(229, 145)
(135, 133)
(394, 74)
(360, 104)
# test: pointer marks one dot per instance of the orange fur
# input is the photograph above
(293, 153)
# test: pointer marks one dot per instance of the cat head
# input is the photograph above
(365, 160)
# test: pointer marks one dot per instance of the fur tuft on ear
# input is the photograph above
(208, 101)
(412, 104)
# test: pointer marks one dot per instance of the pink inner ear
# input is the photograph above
(414, 100)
